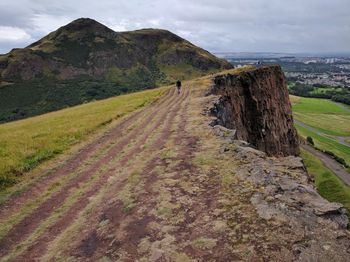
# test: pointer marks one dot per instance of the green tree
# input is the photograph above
(310, 140)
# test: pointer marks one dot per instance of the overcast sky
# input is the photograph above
(216, 25)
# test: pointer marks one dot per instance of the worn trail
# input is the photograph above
(133, 155)
(162, 185)
(74, 164)
(82, 177)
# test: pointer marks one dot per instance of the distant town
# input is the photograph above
(312, 70)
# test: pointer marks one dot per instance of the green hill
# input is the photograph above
(86, 61)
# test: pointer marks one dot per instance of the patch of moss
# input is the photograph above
(204, 243)
(128, 194)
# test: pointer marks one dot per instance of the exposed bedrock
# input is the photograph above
(255, 103)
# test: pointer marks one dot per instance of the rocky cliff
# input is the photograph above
(282, 216)
(255, 103)
(274, 208)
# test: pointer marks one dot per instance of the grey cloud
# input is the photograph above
(222, 25)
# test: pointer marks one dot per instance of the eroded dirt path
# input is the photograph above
(35, 211)
(159, 186)
(143, 191)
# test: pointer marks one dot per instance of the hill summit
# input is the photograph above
(85, 60)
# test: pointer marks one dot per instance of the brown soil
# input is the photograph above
(60, 225)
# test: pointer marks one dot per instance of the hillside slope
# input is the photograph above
(86, 60)
(27, 143)
(164, 185)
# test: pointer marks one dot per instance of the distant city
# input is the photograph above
(331, 70)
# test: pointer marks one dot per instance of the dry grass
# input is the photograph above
(26, 143)
(128, 195)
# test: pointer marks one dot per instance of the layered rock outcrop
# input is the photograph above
(255, 103)
(298, 222)
(274, 208)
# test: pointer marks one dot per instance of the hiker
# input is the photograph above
(178, 85)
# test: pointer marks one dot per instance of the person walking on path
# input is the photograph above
(178, 85)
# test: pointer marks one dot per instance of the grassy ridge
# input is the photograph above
(86, 61)
(327, 183)
(26, 143)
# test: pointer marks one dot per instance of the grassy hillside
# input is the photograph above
(329, 122)
(26, 143)
(85, 61)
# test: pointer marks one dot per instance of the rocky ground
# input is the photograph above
(163, 185)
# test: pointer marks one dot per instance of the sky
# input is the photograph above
(291, 26)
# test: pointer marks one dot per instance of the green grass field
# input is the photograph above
(325, 143)
(329, 118)
(324, 90)
(318, 105)
(328, 184)
(336, 125)
(26, 143)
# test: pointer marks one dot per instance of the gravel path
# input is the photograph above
(340, 139)
(330, 163)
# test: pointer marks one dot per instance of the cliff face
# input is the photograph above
(255, 103)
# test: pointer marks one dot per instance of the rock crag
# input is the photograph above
(255, 103)
(282, 215)
(307, 226)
